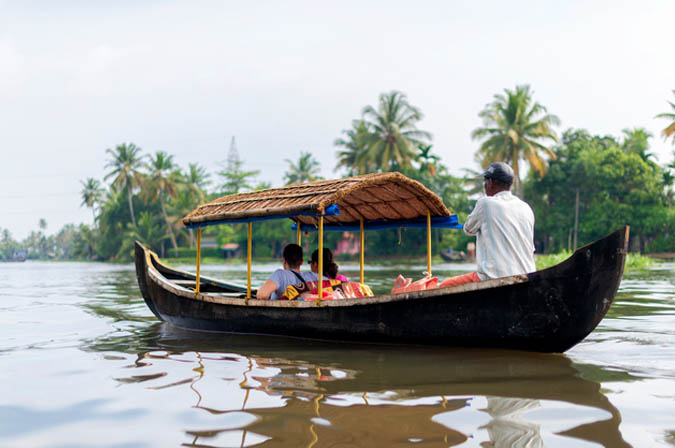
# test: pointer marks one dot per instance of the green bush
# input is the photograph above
(633, 260)
(662, 244)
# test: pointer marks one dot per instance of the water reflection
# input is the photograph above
(273, 391)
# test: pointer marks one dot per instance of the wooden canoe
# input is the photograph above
(545, 311)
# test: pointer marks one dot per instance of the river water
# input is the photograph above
(83, 363)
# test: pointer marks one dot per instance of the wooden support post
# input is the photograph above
(318, 301)
(362, 249)
(299, 234)
(248, 261)
(199, 256)
(428, 243)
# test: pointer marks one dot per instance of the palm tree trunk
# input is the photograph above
(168, 227)
(516, 177)
(131, 206)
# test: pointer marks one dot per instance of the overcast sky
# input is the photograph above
(77, 77)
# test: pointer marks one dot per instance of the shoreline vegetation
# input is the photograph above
(581, 187)
(634, 261)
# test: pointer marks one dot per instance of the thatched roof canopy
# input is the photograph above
(388, 196)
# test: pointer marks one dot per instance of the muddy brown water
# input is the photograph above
(83, 363)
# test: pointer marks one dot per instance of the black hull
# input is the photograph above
(545, 311)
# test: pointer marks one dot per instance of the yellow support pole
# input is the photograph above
(362, 250)
(199, 256)
(299, 234)
(320, 260)
(428, 243)
(248, 262)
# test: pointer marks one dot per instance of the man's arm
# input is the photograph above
(473, 221)
(266, 290)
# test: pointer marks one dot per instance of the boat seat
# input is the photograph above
(183, 282)
(230, 295)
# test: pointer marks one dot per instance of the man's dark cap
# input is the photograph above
(499, 171)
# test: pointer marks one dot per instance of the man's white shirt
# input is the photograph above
(504, 229)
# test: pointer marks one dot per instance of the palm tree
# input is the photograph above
(195, 182)
(92, 194)
(42, 237)
(84, 245)
(636, 141)
(669, 130)
(162, 180)
(125, 163)
(354, 143)
(427, 160)
(513, 129)
(306, 170)
(148, 230)
(393, 133)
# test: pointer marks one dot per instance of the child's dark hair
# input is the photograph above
(293, 255)
(330, 269)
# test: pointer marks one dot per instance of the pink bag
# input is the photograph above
(403, 284)
(400, 284)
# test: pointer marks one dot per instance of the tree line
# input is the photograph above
(580, 185)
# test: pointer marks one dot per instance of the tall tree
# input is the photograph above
(615, 188)
(236, 179)
(113, 216)
(161, 183)
(669, 131)
(514, 128)
(92, 194)
(193, 192)
(125, 163)
(148, 230)
(636, 141)
(306, 170)
(354, 144)
(196, 180)
(428, 161)
(392, 133)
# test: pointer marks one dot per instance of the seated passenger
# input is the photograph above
(275, 287)
(504, 229)
(330, 269)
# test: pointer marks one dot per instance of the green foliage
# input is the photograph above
(160, 184)
(665, 242)
(148, 230)
(385, 139)
(206, 252)
(92, 194)
(306, 170)
(616, 188)
(638, 261)
(546, 261)
(355, 143)
(618, 182)
(633, 261)
(235, 178)
(7, 245)
(513, 129)
(125, 163)
(84, 243)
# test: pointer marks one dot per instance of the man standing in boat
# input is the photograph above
(504, 228)
(275, 287)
